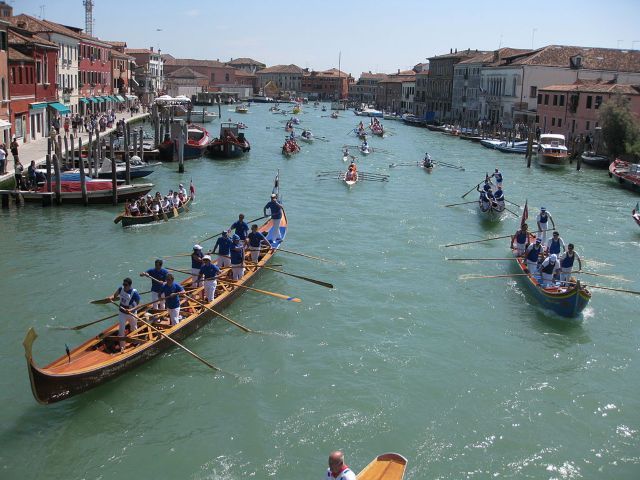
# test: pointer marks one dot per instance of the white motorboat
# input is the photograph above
(551, 151)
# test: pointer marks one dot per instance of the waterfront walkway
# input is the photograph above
(37, 149)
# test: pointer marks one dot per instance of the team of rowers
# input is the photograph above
(490, 197)
(548, 260)
(205, 273)
(148, 205)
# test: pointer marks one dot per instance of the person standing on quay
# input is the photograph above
(14, 149)
(338, 469)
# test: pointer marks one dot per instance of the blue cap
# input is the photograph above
(542, 209)
(235, 237)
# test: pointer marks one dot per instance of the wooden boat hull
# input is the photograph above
(60, 380)
(567, 302)
(595, 161)
(125, 192)
(492, 213)
(129, 221)
(388, 466)
(551, 160)
(621, 171)
(226, 150)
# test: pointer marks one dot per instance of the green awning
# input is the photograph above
(84, 100)
(120, 99)
(59, 107)
(113, 98)
(98, 99)
(37, 106)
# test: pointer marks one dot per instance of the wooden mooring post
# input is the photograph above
(114, 176)
(83, 179)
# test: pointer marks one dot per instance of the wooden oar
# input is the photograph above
(511, 211)
(175, 342)
(266, 292)
(233, 322)
(218, 234)
(80, 327)
(474, 187)
(104, 301)
(593, 274)
(476, 277)
(118, 218)
(280, 249)
(469, 259)
(178, 255)
(633, 292)
(307, 279)
(483, 240)
(463, 203)
(514, 204)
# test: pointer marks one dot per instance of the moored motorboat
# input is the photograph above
(98, 191)
(96, 361)
(410, 119)
(129, 220)
(592, 159)
(491, 142)
(197, 140)
(565, 300)
(626, 173)
(230, 144)
(388, 466)
(514, 147)
(551, 151)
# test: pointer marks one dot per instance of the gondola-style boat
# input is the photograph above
(290, 147)
(131, 220)
(94, 362)
(388, 466)
(350, 180)
(627, 174)
(567, 301)
(230, 144)
(594, 160)
(491, 210)
(635, 214)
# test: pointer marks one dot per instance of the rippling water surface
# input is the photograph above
(467, 379)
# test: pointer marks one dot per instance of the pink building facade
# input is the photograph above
(574, 110)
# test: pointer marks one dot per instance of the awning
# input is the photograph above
(113, 98)
(120, 99)
(85, 100)
(4, 124)
(60, 107)
(98, 99)
(37, 106)
(132, 97)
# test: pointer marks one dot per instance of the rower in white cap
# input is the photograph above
(196, 263)
(209, 272)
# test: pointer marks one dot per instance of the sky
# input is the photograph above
(376, 35)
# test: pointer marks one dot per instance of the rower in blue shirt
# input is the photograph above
(498, 176)
(532, 255)
(241, 227)
(171, 292)
(255, 240)
(196, 263)
(129, 299)
(237, 258)
(223, 245)
(276, 210)
(158, 275)
(555, 243)
(209, 272)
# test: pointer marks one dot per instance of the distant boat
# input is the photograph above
(594, 160)
(242, 108)
(627, 174)
(515, 147)
(197, 140)
(369, 112)
(551, 151)
(410, 119)
(491, 142)
(230, 143)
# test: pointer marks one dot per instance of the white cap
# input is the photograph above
(197, 247)
(273, 195)
(553, 257)
(206, 257)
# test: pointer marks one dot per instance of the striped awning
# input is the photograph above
(120, 98)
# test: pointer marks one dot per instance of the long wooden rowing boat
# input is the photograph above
(94, 362)
(627, 174)
(130, 220)
(567, 301)
(388, 466)
(350, 182)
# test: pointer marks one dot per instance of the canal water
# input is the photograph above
(466, 378)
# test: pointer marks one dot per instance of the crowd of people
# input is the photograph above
(157, 204)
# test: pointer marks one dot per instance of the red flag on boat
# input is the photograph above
(192, 190)
(525, 213)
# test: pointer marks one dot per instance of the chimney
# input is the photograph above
(451, 50)
(398, 71)
(369, 71)
(151, 48)
(496, 55)
(456, 50)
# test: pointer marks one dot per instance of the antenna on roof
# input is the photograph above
(88, 16)
(42, 12)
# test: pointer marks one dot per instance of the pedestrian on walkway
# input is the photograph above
(18, 169)
(3, 159)
(14, 149)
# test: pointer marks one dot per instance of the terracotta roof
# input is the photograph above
(117, 54)
(332, 72)
(139, 51)
(490, 56)
(185, 72)
(282, 69)
(590, 87)
(372, 76)
(592, 58)
(18, 56)
(242, 73)
(16, 38)
(245, 61)
(191, 62)
(38, 25)
(461, 54)
(116, 44)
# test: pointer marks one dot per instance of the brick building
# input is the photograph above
(5, 118)
(286, 78)
(216, 72)
(366, 88)
(389, 94)
(329, 84)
